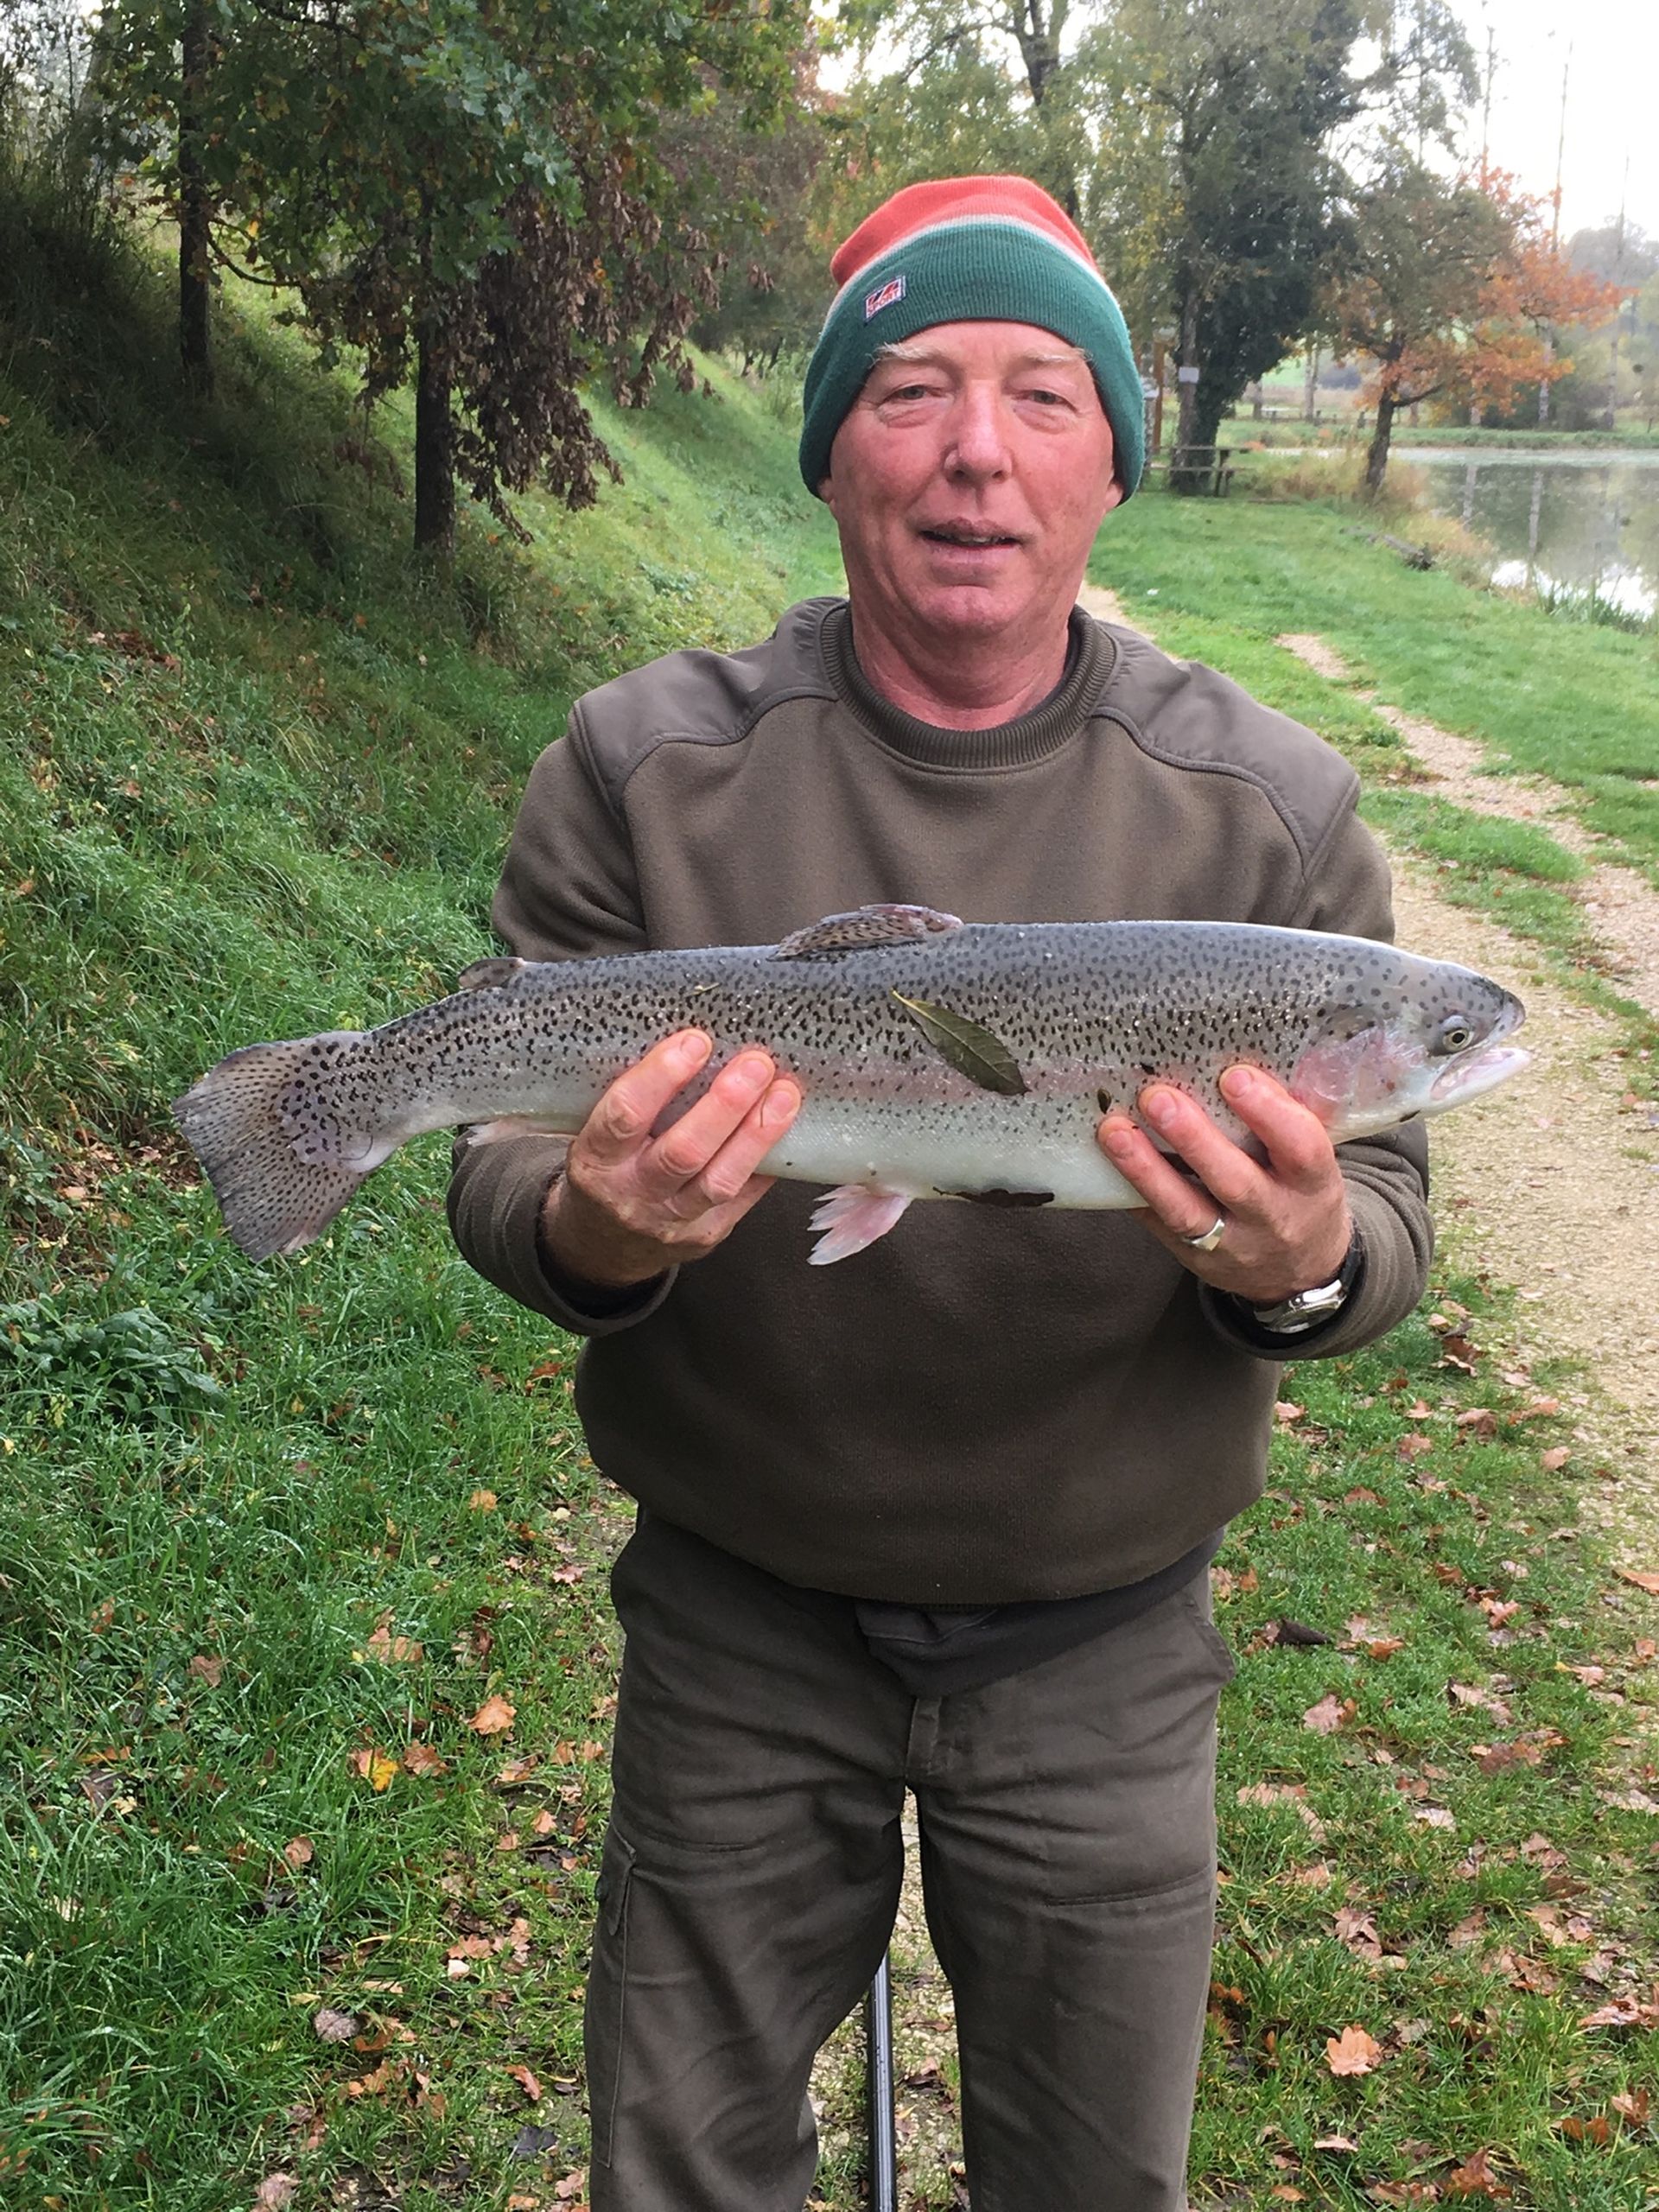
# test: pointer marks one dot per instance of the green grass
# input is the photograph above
(265, 1532)
(1569, 700)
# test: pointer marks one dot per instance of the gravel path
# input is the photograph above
(1619, 903)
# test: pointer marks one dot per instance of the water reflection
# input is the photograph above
(1575, 523)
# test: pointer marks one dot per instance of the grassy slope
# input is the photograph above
(258, 774)
(201, 1596)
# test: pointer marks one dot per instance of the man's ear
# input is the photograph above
(1117, 496)
(827, 491)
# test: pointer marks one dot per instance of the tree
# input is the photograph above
(1216, 188)
(466, 191)
(1002, 63)
(1453, 290)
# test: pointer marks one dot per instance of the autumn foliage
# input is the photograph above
(1456, 290)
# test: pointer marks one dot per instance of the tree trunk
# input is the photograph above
(435, 454)
(196, 265)
(1182, 479)
(1311, 400)
(1376, 460)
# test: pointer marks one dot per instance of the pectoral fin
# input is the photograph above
(851, 1217)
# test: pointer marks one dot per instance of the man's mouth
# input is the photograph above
(948, 533)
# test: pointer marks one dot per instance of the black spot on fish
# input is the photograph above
(1103, 1099)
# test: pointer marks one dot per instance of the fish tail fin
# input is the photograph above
(281, 1158)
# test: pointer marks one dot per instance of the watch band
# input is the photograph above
(1305, 1309)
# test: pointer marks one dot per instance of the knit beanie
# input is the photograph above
(968, 249)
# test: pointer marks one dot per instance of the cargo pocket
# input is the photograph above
(604, 2022)
(1197, 1600)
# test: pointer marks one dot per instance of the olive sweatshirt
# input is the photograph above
(987, 1405)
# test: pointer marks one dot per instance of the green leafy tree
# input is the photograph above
(1216, 190)
(468, 192)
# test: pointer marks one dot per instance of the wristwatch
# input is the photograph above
(1304, 1309)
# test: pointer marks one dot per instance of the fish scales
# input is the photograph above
(1367, 1034)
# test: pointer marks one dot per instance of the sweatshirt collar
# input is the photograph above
(1029, 738)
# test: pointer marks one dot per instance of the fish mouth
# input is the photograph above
(1475, 1072)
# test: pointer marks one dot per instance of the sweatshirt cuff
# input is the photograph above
(1387, 1289)
(496, 1197)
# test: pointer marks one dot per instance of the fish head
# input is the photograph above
(1437, 1037)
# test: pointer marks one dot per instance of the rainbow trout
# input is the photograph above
(937, 1060)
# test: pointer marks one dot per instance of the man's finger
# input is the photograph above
(624, 1117)
(732, 1169)
(1298, 1145)
(680, 1154)
(1172, 1198)
(1229, 1174)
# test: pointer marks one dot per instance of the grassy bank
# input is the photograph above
(305, 1668)
(1568, 700)
(271, 1541)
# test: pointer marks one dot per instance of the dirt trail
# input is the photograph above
(1619, 903)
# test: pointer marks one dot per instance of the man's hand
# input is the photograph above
(1288, 1226)
(629, 1205)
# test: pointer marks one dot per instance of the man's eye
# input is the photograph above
(1048, 399)
(910, 391)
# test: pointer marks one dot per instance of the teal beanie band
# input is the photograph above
(987, 249)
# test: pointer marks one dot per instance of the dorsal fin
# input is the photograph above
(864, 930)
(490, 974)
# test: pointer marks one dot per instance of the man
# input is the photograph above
(940, 1516)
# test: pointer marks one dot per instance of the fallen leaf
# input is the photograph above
(1475, 2178)
(544, 1823)
(422, 1760)
(1329, 1714)
(1334, 2143)
(1598, 2131)
(494, 1718)
(299, 1850)
(1353, 2052)
(1357, 1930)
(1468, 1930)
(517, 1771)
(1293, 1793)
(1285, 1412)
(481, 1500)
(1413, 1446)
(1481, 1419)
(1555, 1459)
(388, 1647)
(572, 2185)
(330, 2026)
(1634, 2104)
(276, 2191)
(1384, 1647)
(1642, 1577)
(527, 2082)
(377, 1768)
(1434, 1816)
(207, 1669)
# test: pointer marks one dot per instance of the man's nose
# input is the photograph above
(979, 446)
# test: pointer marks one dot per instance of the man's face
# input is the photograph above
(968, 481)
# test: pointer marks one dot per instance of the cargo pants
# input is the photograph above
(752, 1868)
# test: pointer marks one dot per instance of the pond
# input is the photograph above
(1578, 522)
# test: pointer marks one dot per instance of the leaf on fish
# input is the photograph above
(972, 1051)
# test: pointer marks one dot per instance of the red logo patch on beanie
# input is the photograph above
(885, 295)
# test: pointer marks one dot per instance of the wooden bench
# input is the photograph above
(1208, 468)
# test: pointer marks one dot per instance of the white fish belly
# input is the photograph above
(984, 1143)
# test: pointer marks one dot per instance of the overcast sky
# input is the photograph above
(1612, 101)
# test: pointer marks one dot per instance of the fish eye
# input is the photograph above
(1455, 1032)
